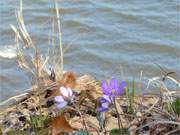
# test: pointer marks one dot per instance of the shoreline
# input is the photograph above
(15, 117)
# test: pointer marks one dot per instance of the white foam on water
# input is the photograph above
(8, 51)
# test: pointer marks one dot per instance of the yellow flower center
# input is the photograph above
(114, 91)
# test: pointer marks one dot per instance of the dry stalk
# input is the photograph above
(21, 59)
(147, 111)
(23, 32)
(158, 122)
(23, 35)
(59, 33)
(16, 98)
(173, 131)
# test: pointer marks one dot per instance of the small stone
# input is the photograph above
(138, 114)
(49, 103)
(22, 118)
(7, 123)
(146, 128)
(32, 109)
(24, 105)
(149, 115)
(19, 113)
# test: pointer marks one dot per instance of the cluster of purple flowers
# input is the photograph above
(110, 92)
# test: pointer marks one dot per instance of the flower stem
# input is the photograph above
(118, 115)
(84, 122)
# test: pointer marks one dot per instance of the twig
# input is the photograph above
(77, 109)
(158, 122)
(152, 106)
(173, 131)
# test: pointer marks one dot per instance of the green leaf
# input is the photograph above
(130, 107)
(100, 119)
(0, 131)
(176, 106)
(133, 88)
(44, 131)
(17, 132)
(127, 89)
(38, 122)
(81, 132)
(115, 131)
(61, 112)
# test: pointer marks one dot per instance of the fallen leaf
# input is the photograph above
(92, 123)
(60, 125)
(68, 80)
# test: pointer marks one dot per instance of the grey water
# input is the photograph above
(123, 38)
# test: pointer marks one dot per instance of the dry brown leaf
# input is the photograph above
(68, 80)
(91, 121)
(88, 84)
(76, 122)
(60, 125)
(111, 123)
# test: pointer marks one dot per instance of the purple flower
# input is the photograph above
(110, 91)
(114, 88)
(105, 101)
(67, 96)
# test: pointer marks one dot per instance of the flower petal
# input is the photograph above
(105, 105)
(64, 91)
(61, 105)
(107, 98)
(114, 84)
(105, 88)
(70, 93)
(121, 88)
(102, 100)
(102, 109)
(58, 98)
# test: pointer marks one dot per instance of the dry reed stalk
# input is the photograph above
(22, 35)
(59, 33)
(23, 32)
(37, 62)
(21, 59)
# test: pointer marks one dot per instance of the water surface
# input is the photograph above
(108, 37)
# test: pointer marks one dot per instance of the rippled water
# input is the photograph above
(109, 37)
